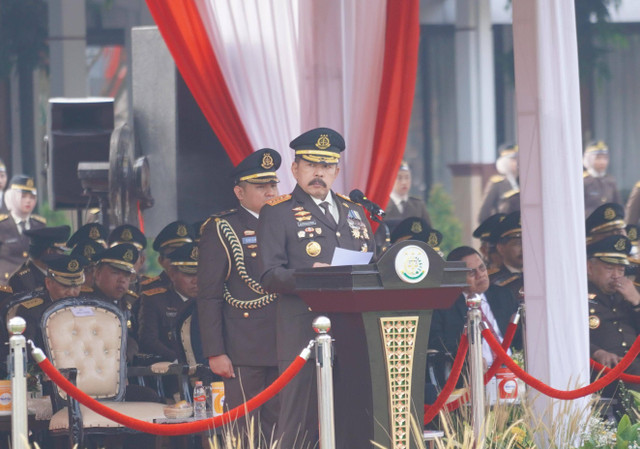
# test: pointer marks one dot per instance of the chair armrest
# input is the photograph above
(170, 369)
(76, 428)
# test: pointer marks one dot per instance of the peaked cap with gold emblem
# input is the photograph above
(89, 249)
(319, 145)
(173, 236)
(127, 233)
(597, 147)
(66, 270)
(258, 168)
(185, 258)
(613, 249)
(415, 228)
(484, 231)
(24, 183)
(42, 239)
(508, 227)
(606, 218)
(90, 231)
(122, 257)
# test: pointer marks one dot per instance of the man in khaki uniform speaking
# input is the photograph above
(237, 318)
(302, 230)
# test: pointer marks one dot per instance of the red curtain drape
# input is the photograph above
(181, 27)
(396, 96)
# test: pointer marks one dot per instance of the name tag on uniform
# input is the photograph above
(249, 240)
(11, 241)
(304, 224)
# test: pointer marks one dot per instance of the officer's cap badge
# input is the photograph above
(609, 214)
(267, 161)
(182, 231)
(194, 253)
(94, 233)
(416, 227)
(73, 265)
(128, 256)
(323, 142)
(620, 245)
(126, 235)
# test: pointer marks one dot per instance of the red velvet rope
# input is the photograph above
(625, 377)
(173, 429)
(560, 394)
(432, 410)
(495, 366)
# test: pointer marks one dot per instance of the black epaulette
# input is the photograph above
(279, 199)
(150, 280)
(154, 291)
(508, 280)
(133, 294)
(39, 218)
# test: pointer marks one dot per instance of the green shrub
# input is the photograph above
(443, 218)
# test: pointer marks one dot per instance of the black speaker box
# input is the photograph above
(80, 132)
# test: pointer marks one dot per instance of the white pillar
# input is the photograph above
(475, 106)
(67, 48)
(548, 120)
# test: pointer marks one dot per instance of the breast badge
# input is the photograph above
(594, 322)
(313, 249)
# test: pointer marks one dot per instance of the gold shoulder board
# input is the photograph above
(494, 270)
(154, 291)
(507, 281)
(510, 193)
(39, 218)
(150, 280)
(85, 289)
(496, 178)
(3, 217)
(132, 293)
(6, 289)
(32, 303)
(279, 199)
(592, 296)
(344, 197)
(585, 174)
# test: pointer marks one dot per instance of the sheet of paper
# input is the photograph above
(82, 311)
(343, 256)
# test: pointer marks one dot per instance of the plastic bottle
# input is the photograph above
(199, 401)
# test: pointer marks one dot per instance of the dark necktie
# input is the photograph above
(21, 226)
(403, 206)
(327, 213)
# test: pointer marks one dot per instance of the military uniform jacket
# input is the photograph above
(294, 233)
(598, 191)
(32, 306)
(160, 313)
(613, 322)
(513, 281)
(160, 281)
(497, 191)
(27, 278)
(236, 316)
(414, 207)
(632, 210)
(13, 251)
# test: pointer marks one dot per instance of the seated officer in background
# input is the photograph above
(605, 220)
(508, 237)
(111, 283)
(21, 198)
(503, 186)
(170, 238)
(163, 308)
(237, 317)
(614, 302)
(488, 250)
(91, 231)
(127, 233)
(65, 276)
(599, 188)
(498, 305)
(44, 241)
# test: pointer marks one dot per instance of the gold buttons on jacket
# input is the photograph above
(253, 254)
(338, 234)
(246, 314)
(624, 344)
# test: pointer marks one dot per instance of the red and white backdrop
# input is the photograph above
(263, 71)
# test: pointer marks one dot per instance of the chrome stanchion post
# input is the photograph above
(324, 370)
(474, 322)
(17, 371)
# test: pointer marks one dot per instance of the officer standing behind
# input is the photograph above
(599, 188)
(127, 233)
(170, 238)
(237, 317)
(508, 237)
(302, 230)
(21, 199)
(501, 188)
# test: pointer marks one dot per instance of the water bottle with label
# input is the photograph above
(199, 401)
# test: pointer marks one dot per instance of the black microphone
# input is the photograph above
(358, 197)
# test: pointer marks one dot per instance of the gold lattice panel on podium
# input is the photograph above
(399, 336)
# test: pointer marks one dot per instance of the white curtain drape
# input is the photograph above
(295, 65)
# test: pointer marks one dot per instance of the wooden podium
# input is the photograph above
(380, 315)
